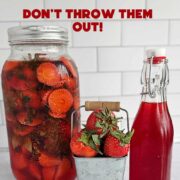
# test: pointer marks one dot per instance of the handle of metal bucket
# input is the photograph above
(93, 105)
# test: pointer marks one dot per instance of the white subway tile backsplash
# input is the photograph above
(130, 103)
(110, 36)
(174, 86)
(174, 32)
(120, 4)
(145, 33)
(3, 135)
(100, 84)
(13, 10)
(71, 4)
(164, 9)
(3, 33)
(120, 59)
(176, 124)
(85, 58)
(174, 104)
(131, 83)
(173, 55)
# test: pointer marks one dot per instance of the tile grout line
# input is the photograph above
(96, 4)
(72, 36)
(97, 60)
(44, 4)
(146, 4)
(127, 46)
(122, 82)
(122, 32)
(4, 149)
(169, 32)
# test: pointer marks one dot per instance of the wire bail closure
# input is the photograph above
(164, 81)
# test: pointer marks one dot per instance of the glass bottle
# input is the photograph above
(40, 89)
(151, 145)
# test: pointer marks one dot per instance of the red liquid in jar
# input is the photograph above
(151, 145)
(38, 127)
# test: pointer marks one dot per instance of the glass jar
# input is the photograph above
(40, 89)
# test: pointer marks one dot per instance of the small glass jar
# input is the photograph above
(40, 89)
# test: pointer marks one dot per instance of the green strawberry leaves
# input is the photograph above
(96, 139)
(89, 138)
(107, 121)
(107, 116)
(84, 139)
(124, 138)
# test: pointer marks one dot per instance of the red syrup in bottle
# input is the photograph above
(151, 145)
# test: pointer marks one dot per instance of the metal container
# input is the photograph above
(100, 168)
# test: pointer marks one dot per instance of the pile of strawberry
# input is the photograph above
(101, 137)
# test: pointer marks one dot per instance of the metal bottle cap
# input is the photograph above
(37, 34)
(158, 52)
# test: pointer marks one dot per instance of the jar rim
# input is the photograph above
(37, 34)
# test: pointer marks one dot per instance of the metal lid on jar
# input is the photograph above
(37, 34)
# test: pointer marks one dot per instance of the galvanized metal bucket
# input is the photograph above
(100, 168)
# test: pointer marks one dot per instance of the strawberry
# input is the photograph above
(10, 117)
(48, 74)
(13, 100)
(31, 99)
(46, 160)
(18, 159)
(29, 73)
(26, 118)
(19, 174)
(85, 144)
(44, 96)
(70, 82)
(65, 128)
(10, 65)
(16, 141)
(34, 170)
(60, 84)
(63, 168)
(76, 103)
(48, 173)
(27, 146)
(18, 83)
(101, 121)
(22, 130)
(117, 143)
(57, 115)
(17, 103)
(70, 66)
